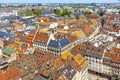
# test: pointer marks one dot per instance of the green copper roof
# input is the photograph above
(8, 51)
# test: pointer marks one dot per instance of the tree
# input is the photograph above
(20, 13)
(34, 12)
(62, 13)
(81, 6)
(58, 12)
(77, 16)
(66, 12)
(87, 12)
(119, 12)
(28, 12)
(100, 13)
(37, 12)
(36, 26)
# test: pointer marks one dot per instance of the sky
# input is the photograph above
(59, 1)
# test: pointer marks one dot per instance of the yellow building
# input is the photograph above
(81, 65)
(78, 34)
(66, 55)
(62, 77)
(80, 60)
(1, 43)
(44, 30)
(16, 45)
(62, 31)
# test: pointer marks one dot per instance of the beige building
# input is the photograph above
(111, 62)
(41, 40)
(80, 64)
(18, 26)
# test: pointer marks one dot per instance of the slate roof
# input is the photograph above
(68, 71)
(58, 44)
(6, 35)
(48, 12)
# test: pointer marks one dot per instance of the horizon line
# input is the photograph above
(59, 3)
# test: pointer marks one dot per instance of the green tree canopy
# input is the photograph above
(62, 13)
(77, 16)
(31, 12)
(58, 12)
(81, 6)
(87, 12)
(100, 13)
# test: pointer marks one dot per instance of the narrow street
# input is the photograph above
(95, 77)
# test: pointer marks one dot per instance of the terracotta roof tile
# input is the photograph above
(64, 35)
(12, 74)
(20, 34)
(76, 65)
(1, 75)
(30, 38)
(44, 19)
(114, 55)
(80, 48)
(88, 30)
(42, 56)
(60, 63)
(41, 37)
(93, 16)
(25, 64)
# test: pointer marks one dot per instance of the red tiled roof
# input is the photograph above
(44, 19)
(12, 74)
(115, 30)
(1, 75)
(29, 38)
(92, 16)
(59, 63)
(42, 56)
(41, 37)
(63, 35)
(76, 65)
(114, 54)
(108, 23)
(80, 48)
(111, 17)
(20, 34)
(88, 30)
